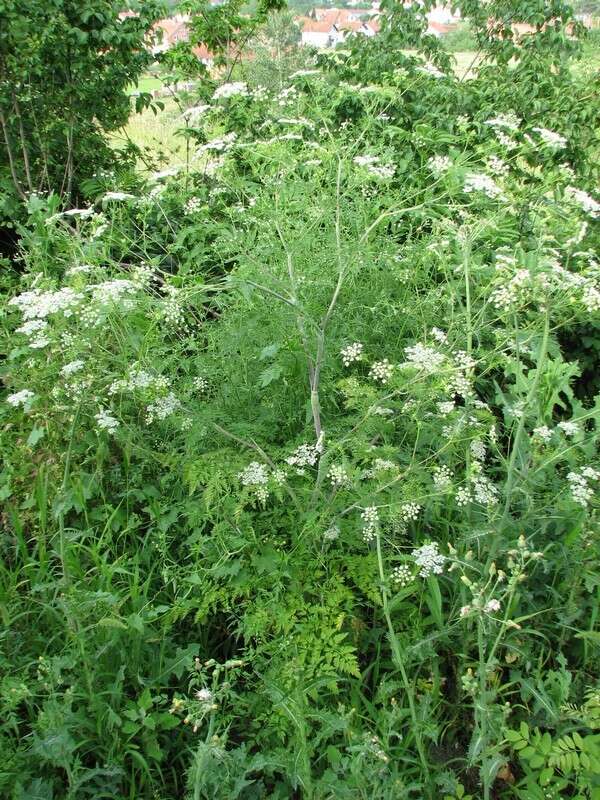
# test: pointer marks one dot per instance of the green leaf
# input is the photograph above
(36, 434)
(269, 375)
(546, 776)
(269, 351)
(513, 736)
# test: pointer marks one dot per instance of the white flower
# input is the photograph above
(465, 610)
(409, 511)
(138, 379)
(581, 491)
(509, 121)
(162, 408)
(588, 204)
(384, 171)
(106, 422)
(192, 206)
(442, 478)
(381, 371)
(219, 145)
(402, 575)
(440, 336)
(424, 357)
(365, 161)
(478, 450)
(491, 605)
(22, 398)
(431, 69)
(231, 90)
(205, 696)
(484, 491)
(543, 432)
(370, 518)
(351, 353)
(497, 166)
(117, 196)
(479, 182)
(569, 428)
(512, 292)
(446, 407)
(591, 298)
(337, 475)
(552, 139)
(33, 326)
(463, 496)
(332, 533)
(71, 368)
(306, 455)
(255, 474)
(439, 164)
(429, 560)
(382, 465)
(194, 113)
(39, 305)
(201, 385)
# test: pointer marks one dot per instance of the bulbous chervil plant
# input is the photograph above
(301, 481)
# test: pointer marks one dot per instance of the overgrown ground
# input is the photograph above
(300, 481)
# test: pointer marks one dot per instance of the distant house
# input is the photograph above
(202, 54)
(439, 28)
(326, 27)
(170, 31)
(316, 33)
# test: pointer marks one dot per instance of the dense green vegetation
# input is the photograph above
(300, 434)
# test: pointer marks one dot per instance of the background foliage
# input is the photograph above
(300, 436)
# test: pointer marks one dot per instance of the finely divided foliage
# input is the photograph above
(301, 477)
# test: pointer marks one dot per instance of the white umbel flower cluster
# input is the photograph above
(306, 455)
(587, 203)
(36, 304)
(550, 138)
(22, 398)
(192, 206)
(106, 422)
(508, 121)
(410, 511)
(35, 330)
(568, 428)
(381, 371)
(226, 90)
(338, 475)
(255, 474)
(480, 182)
(424, 357)
(353, 352)
(370, 518)
(138, 379)
(402, 575)
(162, 408)
(439, 164)
(429, 559)
(72, 368)
(543, 433)
(442, 478)
(579, 483)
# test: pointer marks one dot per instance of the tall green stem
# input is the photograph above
(397, 656)
(511, 473)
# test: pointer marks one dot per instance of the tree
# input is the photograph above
(65, 66)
